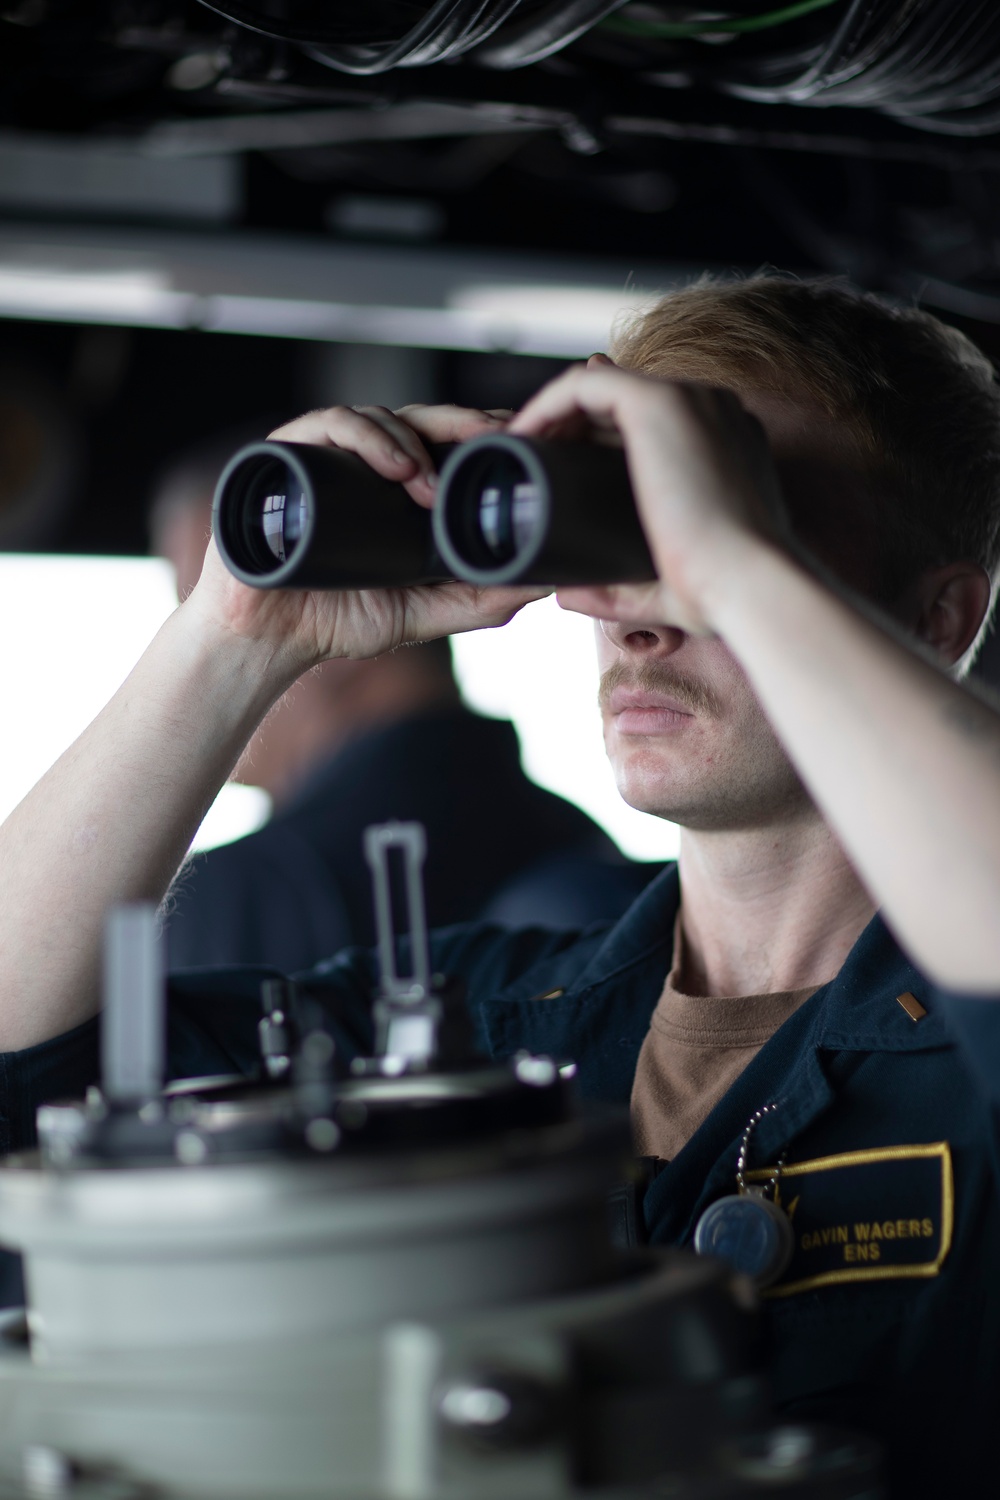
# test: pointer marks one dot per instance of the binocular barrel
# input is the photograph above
(293, 515)
(524, 510)
(508, 510)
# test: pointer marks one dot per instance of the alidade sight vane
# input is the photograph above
(133, 1024)
(411, 842)
(407, 1010)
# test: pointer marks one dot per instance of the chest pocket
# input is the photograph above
(878, 1215)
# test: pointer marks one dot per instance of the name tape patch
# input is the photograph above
(875, 1215)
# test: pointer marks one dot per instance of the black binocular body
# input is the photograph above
(508, 510)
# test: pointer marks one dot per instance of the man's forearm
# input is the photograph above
(903, 762)
(113, 819)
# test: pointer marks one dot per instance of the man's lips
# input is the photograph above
(638, 711)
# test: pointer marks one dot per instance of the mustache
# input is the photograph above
(658, 677)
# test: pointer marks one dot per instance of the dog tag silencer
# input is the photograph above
(749, 1231)
(748, 1228)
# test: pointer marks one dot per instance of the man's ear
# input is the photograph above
(596, 360)
(948, 605)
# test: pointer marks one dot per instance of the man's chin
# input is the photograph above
(718, 808)
(649, 795)
(699, 815)
(664, 792)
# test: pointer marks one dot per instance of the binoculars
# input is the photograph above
(508, 510)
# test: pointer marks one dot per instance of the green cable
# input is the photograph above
(700, 28)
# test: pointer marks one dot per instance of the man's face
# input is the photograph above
(684, 732)
(685, 735)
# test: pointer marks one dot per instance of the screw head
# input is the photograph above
(190, 1148)
(499, 1409)
(198, 70)
(322, 1134)
(48, 1473)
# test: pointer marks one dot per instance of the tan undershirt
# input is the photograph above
(695, 1048)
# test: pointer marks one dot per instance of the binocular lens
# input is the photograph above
(295, 515)
(273, 514)
(507, 509)
(513, 509)
(495, 509)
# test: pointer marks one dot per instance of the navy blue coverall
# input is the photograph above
(888, 1318)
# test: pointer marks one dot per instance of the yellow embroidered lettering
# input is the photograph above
(830, 1253)
(833, 1234)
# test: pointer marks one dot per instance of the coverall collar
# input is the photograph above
(602, 1016)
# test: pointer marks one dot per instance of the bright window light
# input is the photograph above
(574, 319)
(124, 296)
(75, 626)
(541, 671)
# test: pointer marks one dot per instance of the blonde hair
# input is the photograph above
(919, 401)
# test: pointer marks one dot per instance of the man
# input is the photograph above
(361, 742)
(812, 738)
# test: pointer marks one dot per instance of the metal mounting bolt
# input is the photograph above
(499, 1409)
(48, 1473)
(190, 1148)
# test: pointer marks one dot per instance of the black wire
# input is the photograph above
(545, 33)
(250, 18)
(975, 123)
(448, 28)
(934, 64)
(792, 82)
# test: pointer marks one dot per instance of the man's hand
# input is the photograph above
(900, 759)
(703, 478)
(305, 627)
(111, 821)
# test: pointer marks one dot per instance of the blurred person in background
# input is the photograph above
(360, 742)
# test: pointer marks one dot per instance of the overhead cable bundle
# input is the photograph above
(934, 64)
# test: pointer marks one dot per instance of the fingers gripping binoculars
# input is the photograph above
(508, 510)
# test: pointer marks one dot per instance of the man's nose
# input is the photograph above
(643, 640)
